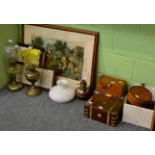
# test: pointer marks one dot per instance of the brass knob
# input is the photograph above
(99, 115)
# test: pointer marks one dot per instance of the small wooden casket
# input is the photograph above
(112, 86)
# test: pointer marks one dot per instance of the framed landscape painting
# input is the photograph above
(72, 52)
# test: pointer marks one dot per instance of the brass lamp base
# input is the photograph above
(34, 91)
(15, 86)
(32, 75)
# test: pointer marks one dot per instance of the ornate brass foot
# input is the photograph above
(15, 86)
(34, 91)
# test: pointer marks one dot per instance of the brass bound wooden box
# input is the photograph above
(104, 109)
(112, 86)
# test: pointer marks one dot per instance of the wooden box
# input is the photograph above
(104, 109)
(111, 86)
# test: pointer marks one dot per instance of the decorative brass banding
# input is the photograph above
(90, 113)
(112, 121)
(109, 111)
(113, 118)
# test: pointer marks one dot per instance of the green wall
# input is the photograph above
(6, 32)
(125, 51)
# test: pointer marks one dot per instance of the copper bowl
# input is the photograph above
(139, 96)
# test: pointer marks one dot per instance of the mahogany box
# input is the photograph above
(111, 86)
(104, 109)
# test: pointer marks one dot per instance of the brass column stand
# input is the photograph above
(14, 85)
(32, 75)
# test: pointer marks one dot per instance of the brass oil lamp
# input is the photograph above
(11, 56)
(31, 60)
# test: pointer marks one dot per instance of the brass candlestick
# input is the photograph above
(32, 75)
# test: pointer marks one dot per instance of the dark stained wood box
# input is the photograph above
(104, 109)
